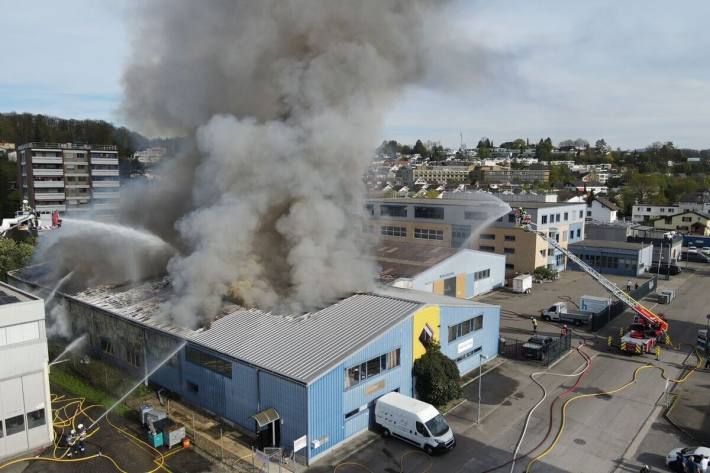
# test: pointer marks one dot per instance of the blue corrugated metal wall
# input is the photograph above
(329, 401)
(290, 401)
(486, 338)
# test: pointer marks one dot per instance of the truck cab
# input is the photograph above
(413, 421)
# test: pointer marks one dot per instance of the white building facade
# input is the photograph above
(25, 406)
(644, 213)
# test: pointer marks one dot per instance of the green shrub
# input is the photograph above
(437, 377)
(543, 272)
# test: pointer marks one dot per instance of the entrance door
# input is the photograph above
(450, 286)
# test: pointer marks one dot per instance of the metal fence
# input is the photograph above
(617, 307)
(512, 348)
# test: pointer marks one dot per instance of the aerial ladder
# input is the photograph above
(648, 328)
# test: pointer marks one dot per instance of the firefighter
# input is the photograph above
(564, 331)
(658, 353)
(628, 285)
(534, 324)
(81, 438)
(72, 443)
(645, 469)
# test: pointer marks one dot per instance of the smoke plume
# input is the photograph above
(284, 101)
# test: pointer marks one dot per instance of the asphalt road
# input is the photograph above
(603, 433)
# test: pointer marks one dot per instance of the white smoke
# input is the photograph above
(284, 101)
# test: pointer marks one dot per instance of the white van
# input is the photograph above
(413, 421)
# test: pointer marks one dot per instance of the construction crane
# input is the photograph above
(648, 328)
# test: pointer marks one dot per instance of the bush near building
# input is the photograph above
(14, 255)
(543, 273)
(437, 377)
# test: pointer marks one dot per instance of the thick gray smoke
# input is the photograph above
(284, 100)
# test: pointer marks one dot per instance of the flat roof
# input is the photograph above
(542, 205)
(418, 201)
(619, 245)
(10, 295)
(406, 259)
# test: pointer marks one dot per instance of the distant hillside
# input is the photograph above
(22, 128)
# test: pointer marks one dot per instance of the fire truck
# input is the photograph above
(646, 331)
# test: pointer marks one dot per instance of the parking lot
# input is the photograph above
(604, 432)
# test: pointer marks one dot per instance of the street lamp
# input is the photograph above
(482, 357)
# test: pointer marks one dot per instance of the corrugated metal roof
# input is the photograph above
(303, 347)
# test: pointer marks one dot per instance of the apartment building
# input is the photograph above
(68, 177)
(688, 222)
(150, 156)
(25, 409)
(457, 223)
(443, 173)
(496, 175)
(644, 213)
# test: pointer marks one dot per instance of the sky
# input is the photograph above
(631, 72)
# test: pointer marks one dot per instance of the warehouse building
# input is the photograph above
(293, 380)
(25, 406)
(458, 273)
(614, 257)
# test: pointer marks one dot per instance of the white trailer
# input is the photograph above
(523, 283)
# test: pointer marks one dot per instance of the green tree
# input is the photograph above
(437, 377)
(14, 254)
(420, 149)
(543, 150)
(561, 175)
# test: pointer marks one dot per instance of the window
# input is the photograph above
(480, 275)
(465, 327)
(352, 413)
(393, 210)
(557, 217)
(371, 368)
(370, 209)
(487, 236)
(35, 418)
(579, 233)
(544, 219)
(509, 251)
(648, 209)
(543, 253)
(589, 213)
(663, 210)
(467, 215)
(387, 230)
(686, 219)
(509, 266)
(133, 357)
(15, 424)
(422, 430)
(566, 216)
(490, 249)
(193, 387)
(107, 346)
(511, 218)
(207, 361)
(509, 238)
(581, 213)
(429, 212)
(428, 234)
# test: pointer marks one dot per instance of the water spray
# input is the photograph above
(59, 285)
(71, 347)
(148, 375)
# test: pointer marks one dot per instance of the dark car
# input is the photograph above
(695, 257)
(665, 268)
(537, 346)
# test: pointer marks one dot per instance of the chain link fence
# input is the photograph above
(544, 353)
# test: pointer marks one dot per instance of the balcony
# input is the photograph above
(49, 196)
(109, 161)
(78, 173)
(102, 206)
(48, 172)
(46, 160)
(115, 183)
(47, 184)
(50, 208)
(105, 195)
(104, 172)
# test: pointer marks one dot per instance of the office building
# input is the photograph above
(614, 257)
(486, 175)
(71, 178)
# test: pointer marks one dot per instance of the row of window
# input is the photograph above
(212, 363)
(388, 230)
(130, 355)
(491, 236)
(480, 275)
(428, 234)
(387, 210)
(553, 218)
(490, 249)
(16, 424)
(605, 261)
(371, 368)
(465, 327)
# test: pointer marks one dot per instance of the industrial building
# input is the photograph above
(458, 273)
(68, 177)
(614, 257)
(25, 408)
(295, 379)
(460, 222)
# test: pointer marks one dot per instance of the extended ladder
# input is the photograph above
(624, 297)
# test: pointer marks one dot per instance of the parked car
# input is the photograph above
(695, 257)
(665, 268)
(537, 346)
(700, 455)
(706, 250)
(413, 421)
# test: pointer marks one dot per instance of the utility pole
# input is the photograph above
(481, 357)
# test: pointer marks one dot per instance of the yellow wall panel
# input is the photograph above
(431, 317)
(439, 287)
(461, 286)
